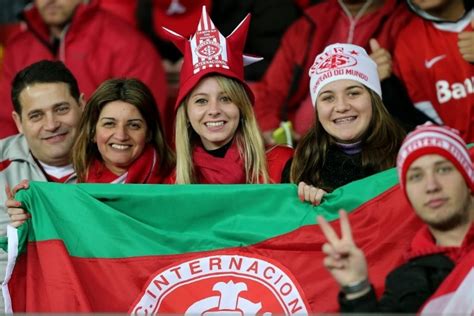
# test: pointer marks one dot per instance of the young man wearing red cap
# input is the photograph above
(437, 175)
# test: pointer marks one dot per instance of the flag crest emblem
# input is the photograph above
(223, 283)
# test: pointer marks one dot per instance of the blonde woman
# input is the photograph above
(217, 138)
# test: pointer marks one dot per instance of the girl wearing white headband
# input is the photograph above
(353, 136)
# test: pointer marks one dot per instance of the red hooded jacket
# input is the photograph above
(97, 46)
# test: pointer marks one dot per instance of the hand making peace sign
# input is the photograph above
(344, 259)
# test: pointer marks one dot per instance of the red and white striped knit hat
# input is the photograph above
(433, 139)
(208, 52)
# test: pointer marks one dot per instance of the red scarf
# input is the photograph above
(424, 244)
(215, 170)
(143, 170)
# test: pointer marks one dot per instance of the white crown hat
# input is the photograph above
(343, 61)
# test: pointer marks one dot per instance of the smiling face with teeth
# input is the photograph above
(212, 114)
(121, 135)
(344, 109)
(49, 121)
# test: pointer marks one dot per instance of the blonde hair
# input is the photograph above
(247, 137)
(380, 144)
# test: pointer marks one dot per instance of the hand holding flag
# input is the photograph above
(14, 208)
(309, 193)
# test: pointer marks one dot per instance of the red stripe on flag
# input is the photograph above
(51, 281)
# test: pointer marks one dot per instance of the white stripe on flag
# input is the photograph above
(12, 235)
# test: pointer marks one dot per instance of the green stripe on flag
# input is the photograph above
(174, 219)
(354, 194)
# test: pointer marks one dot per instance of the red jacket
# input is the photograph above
(439, 81)
(277, 158)
(96, 47)
(304, 39)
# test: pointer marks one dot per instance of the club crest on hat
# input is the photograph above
(337, 58)
(208, 46)
(343, 61)
(209, 52)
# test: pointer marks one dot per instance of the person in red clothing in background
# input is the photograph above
(435, 60)
(217, 138)
(283, 92)
(94, 44)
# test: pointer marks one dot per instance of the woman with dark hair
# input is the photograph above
(120, 137)
(353, 136)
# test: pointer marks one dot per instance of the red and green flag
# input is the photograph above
(194, 249)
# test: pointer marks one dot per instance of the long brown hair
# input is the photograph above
(380, 144)
(247, 137)
(131, 91)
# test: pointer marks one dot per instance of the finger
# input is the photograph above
(19, 217)
(24, 184)
(15, 210)
(464, 36)
(328, 249)
(334, 251)
(313, 195)
(374, 44)
(8, 192)
(384, 59)
(307, 193)
(319, 196)
(12, 203)
(346, 230)
(468, 56)
(381, 53)
(331, 263)
(328, 231)
(301, 186)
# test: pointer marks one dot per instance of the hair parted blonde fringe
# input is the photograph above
(247, 137)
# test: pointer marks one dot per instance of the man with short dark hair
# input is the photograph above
(48, 107)
(94, 44)
(437, 176)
